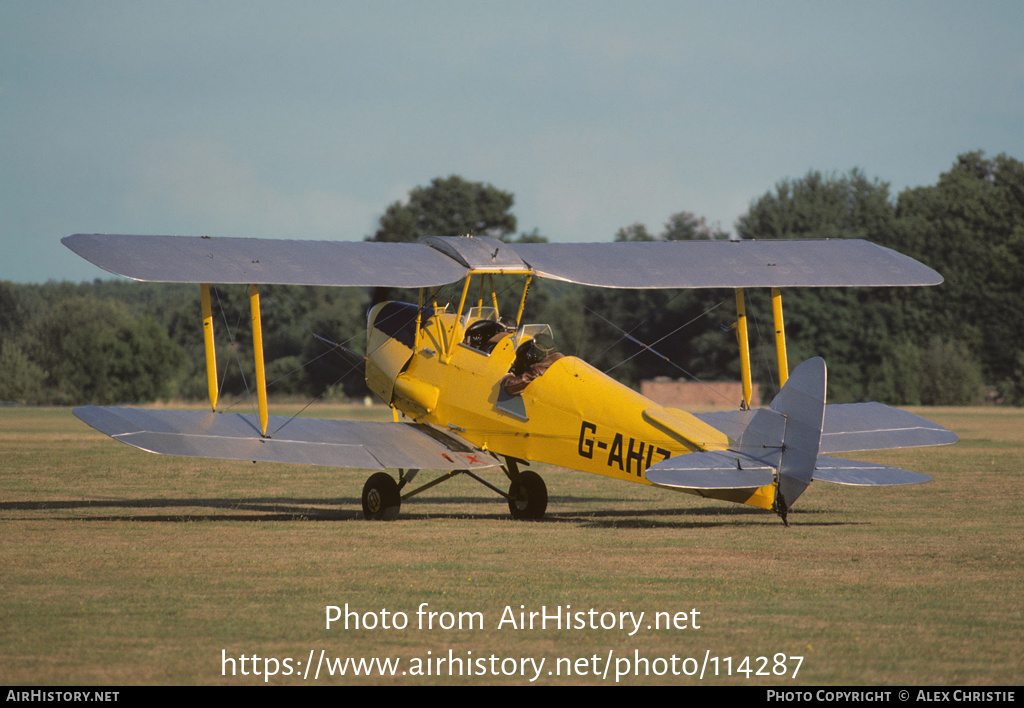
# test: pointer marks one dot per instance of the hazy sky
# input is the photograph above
(306, 119)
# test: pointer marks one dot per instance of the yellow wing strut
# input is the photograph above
(211, 354)
(741, 335)
(257, 346)
(780, 337)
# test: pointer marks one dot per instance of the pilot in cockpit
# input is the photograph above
(533, 358)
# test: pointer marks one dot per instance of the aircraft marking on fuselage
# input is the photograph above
(620, 454)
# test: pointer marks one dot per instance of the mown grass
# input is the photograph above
(121, 567)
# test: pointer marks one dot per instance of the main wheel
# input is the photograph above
(381, 498)
(527, 496)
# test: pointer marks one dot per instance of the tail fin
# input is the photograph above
(799, 411)
(781, 444)
(777, 444)
(802, 402)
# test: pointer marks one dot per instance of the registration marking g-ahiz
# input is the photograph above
(621, 455)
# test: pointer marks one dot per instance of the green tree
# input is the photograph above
(686, 226)
(299, 324)
(530, 237)
(449, 206)
(18, 304)
(850, 328)
(633, 232)
(897, 378)
(816, 206)
(93, 351)
(970, 227)
(642, 334)
(950, 376)
(1012, 389)
(21, 379)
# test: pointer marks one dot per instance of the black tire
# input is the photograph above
(381, 499)
(528, 496)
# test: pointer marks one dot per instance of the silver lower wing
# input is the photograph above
(306, 441)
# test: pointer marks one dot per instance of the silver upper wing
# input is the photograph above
(441, 260)
(727, 264)
(191, 259)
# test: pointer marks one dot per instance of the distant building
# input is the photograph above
(689, 394)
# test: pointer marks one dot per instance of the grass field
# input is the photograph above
(121, 567)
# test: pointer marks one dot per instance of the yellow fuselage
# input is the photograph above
(572, 416)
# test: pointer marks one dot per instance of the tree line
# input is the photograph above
(113, 341)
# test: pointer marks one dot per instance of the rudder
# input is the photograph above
(802, 403)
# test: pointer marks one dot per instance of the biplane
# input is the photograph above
(444, 369)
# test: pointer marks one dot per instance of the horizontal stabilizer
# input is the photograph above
(832, 469)
(710, 470)
(307, 441)
(851, 427)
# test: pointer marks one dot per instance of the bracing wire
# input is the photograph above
(661, 339)
(335, 347)
(650, 348)
(231, 338)
(764, 353)
(625, 334)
